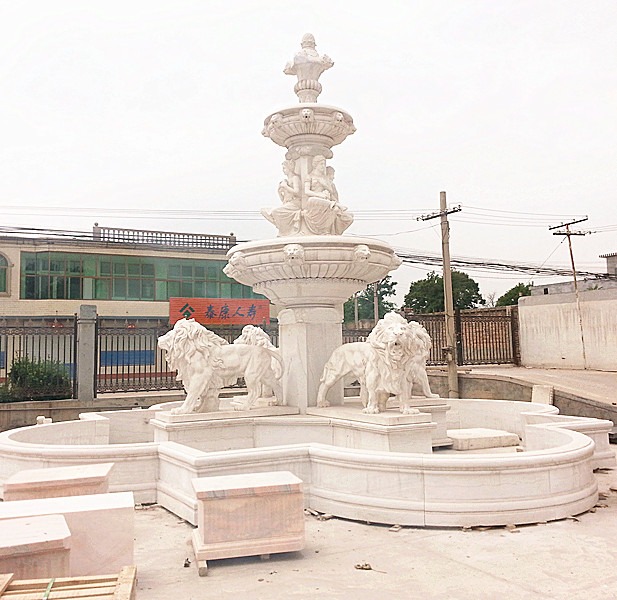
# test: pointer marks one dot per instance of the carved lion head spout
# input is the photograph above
(294, 254)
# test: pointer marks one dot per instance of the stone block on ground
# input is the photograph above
(246, 515)
(101, 526)
(34, 547)
(77, 480)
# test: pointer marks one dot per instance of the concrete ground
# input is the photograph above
(600, 386)
(567, 559)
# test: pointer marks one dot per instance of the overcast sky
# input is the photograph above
(506, 105)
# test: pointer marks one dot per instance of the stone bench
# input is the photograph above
(34, 547)
(101, 526)
(248, 514)
(479, 438)
(78, 480)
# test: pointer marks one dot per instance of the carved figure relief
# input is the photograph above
(288, 217)
(391, 362)
(312, 208)
(324, 215)
(206, 363)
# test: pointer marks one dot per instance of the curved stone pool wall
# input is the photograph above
(552, 479)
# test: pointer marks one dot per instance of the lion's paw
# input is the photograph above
(371, 410)
(408, 410)
(323, 404)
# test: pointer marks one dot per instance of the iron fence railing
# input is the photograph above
(42, 356)
(128, 358)
(482, 336)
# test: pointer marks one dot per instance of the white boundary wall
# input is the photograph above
(550, 333)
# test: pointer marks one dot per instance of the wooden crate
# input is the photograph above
(95, 587)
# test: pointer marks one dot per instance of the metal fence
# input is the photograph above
(484, 336)
(47, 350)
(129, 359)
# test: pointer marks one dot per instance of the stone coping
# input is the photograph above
(247, 484)
(266, 411)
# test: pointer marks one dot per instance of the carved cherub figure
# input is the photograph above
(323, 214)
(287, 217)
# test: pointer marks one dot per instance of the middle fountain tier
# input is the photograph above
(310, 269)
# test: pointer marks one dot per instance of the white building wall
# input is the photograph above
(550, 334)
(13, 306)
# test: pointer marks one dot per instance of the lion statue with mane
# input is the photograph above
(391, 362)
(206, 363)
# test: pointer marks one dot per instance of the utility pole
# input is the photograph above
(569, 234)
(376, 302)
(450, 348)
(355, 310)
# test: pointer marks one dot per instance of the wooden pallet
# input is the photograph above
(96, 587)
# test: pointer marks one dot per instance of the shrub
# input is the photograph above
(34, 380)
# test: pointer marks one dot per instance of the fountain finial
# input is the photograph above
(308, 66)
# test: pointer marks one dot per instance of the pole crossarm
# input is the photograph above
(568, 223)
(441, 213)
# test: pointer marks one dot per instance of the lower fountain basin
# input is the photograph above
(551, 479)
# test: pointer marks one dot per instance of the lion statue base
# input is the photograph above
(206, 363)
(390, 363)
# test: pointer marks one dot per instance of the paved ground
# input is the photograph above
(597, 385)
(565, 560)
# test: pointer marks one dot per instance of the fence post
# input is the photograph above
(86, 345)
(458, 329)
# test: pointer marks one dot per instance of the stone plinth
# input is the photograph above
(221, 430)
(101, 526)
(386, 431)
(248, 514)
(79, 480)
(479, 437)
(437, 408)
(35, 547)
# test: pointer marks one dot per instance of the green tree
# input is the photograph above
(385, 289)
(426, 295)
(512, 295)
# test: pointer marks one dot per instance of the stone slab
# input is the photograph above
(247, 514)
(81, 480)
(37, 546)
(101, 527)
(261, 411)
(477, 438)
(542, 394)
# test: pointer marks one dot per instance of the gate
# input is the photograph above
(40, 358)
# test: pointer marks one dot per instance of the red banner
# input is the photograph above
(220, 311)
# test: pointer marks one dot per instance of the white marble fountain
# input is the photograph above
(382, 457)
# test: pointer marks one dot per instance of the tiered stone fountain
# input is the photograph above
(310, 269)
(375, 467)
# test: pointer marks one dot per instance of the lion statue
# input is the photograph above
(256, 336)
(206, 363)
(391, 362)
